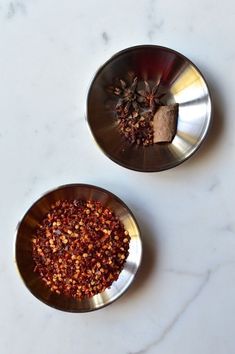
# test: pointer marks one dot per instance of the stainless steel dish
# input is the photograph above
(23, 247)
(182, 82)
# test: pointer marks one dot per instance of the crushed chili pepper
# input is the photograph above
(79, 248)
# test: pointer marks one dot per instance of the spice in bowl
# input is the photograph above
(142, 117)
(80, 248)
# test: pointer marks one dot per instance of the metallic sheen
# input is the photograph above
(183, 84)
(23, 247)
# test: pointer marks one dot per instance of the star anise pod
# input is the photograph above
(128, 96)
(149, 96)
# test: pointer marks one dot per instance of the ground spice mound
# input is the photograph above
(79, 248)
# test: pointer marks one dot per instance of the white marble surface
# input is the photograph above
(183, 300)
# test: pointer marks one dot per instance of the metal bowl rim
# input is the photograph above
(98, 189)
(210, 106)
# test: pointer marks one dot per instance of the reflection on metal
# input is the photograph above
(23, 247)
(182, 82)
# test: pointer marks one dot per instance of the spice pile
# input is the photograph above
(80, 248)
(136, 111)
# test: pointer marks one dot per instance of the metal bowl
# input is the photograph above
(183, 84)
(23, 247)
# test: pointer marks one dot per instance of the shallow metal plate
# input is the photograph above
(23, 247)
(182, 82)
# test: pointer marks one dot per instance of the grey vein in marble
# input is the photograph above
(105, 37)
(153, 24)
(177, 317)
(15, 7)
(183, 273)
(213, 186)
(229, 228)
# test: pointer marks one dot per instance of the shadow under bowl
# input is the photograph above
(182, 83)
(34, 216)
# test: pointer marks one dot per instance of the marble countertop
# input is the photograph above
(183, 300)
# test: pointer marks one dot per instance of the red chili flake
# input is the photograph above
(79, 248)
